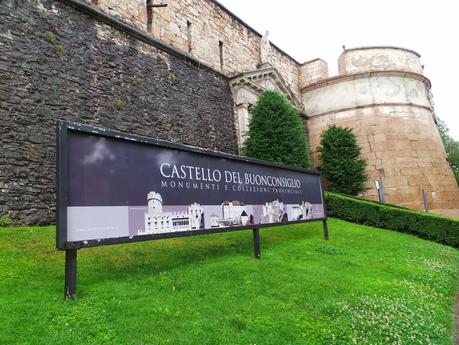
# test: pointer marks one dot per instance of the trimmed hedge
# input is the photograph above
(425, 225)
(376, 202)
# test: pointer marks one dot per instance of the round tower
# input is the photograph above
(155, 203)
(383, 96)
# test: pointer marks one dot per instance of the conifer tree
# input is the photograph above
(276, 132)
(342, 165)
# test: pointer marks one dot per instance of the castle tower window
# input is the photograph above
(220, 46)
(188, 31)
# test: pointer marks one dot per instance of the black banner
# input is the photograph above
(115, 187)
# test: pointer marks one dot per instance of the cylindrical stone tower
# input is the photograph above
(382, 95)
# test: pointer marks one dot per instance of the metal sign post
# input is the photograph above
(70, 274)
(256, 243)
(325, 226)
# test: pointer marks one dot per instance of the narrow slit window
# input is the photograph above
(188, 31)
(220, 47)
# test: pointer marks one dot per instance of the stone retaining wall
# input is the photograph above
(59, 63)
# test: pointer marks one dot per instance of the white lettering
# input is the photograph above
(161, 169)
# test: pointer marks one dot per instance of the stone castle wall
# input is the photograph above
(403, 149)
(74, 60)
(58, 63)
(385, 99)
(313, 71)
(197, 27)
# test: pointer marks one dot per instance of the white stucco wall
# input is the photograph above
(344, 94)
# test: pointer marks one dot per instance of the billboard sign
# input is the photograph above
(117, 188)
(114, 187)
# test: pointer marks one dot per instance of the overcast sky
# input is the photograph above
(308, 29)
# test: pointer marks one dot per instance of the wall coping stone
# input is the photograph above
(363, 75)
(381, 47)
(252, 29)
(313, 60)
(138, 34)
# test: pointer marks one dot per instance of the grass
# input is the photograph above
(364, 286)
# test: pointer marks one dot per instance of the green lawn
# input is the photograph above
(364, 286)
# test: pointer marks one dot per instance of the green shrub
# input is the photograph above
(372, 201)
(119, 104)
(59, 48)
(386, 216)
(342, 165)
(51, 37)
(276, 132)
(5, 221)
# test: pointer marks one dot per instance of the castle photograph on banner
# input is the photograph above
(160, 218)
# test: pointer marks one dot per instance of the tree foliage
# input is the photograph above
(276, 132)
(451, 147)
(342, 165)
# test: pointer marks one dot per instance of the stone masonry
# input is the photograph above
(382, 95)
(197, 26)
(189, 72)
(58, 63)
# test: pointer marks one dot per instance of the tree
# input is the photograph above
(451, 148)
(342, 165)
(276, 132)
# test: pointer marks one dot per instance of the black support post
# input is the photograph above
(70, 274)
(324, 222)
(256, 243)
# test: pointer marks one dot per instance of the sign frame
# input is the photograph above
(62, 159)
